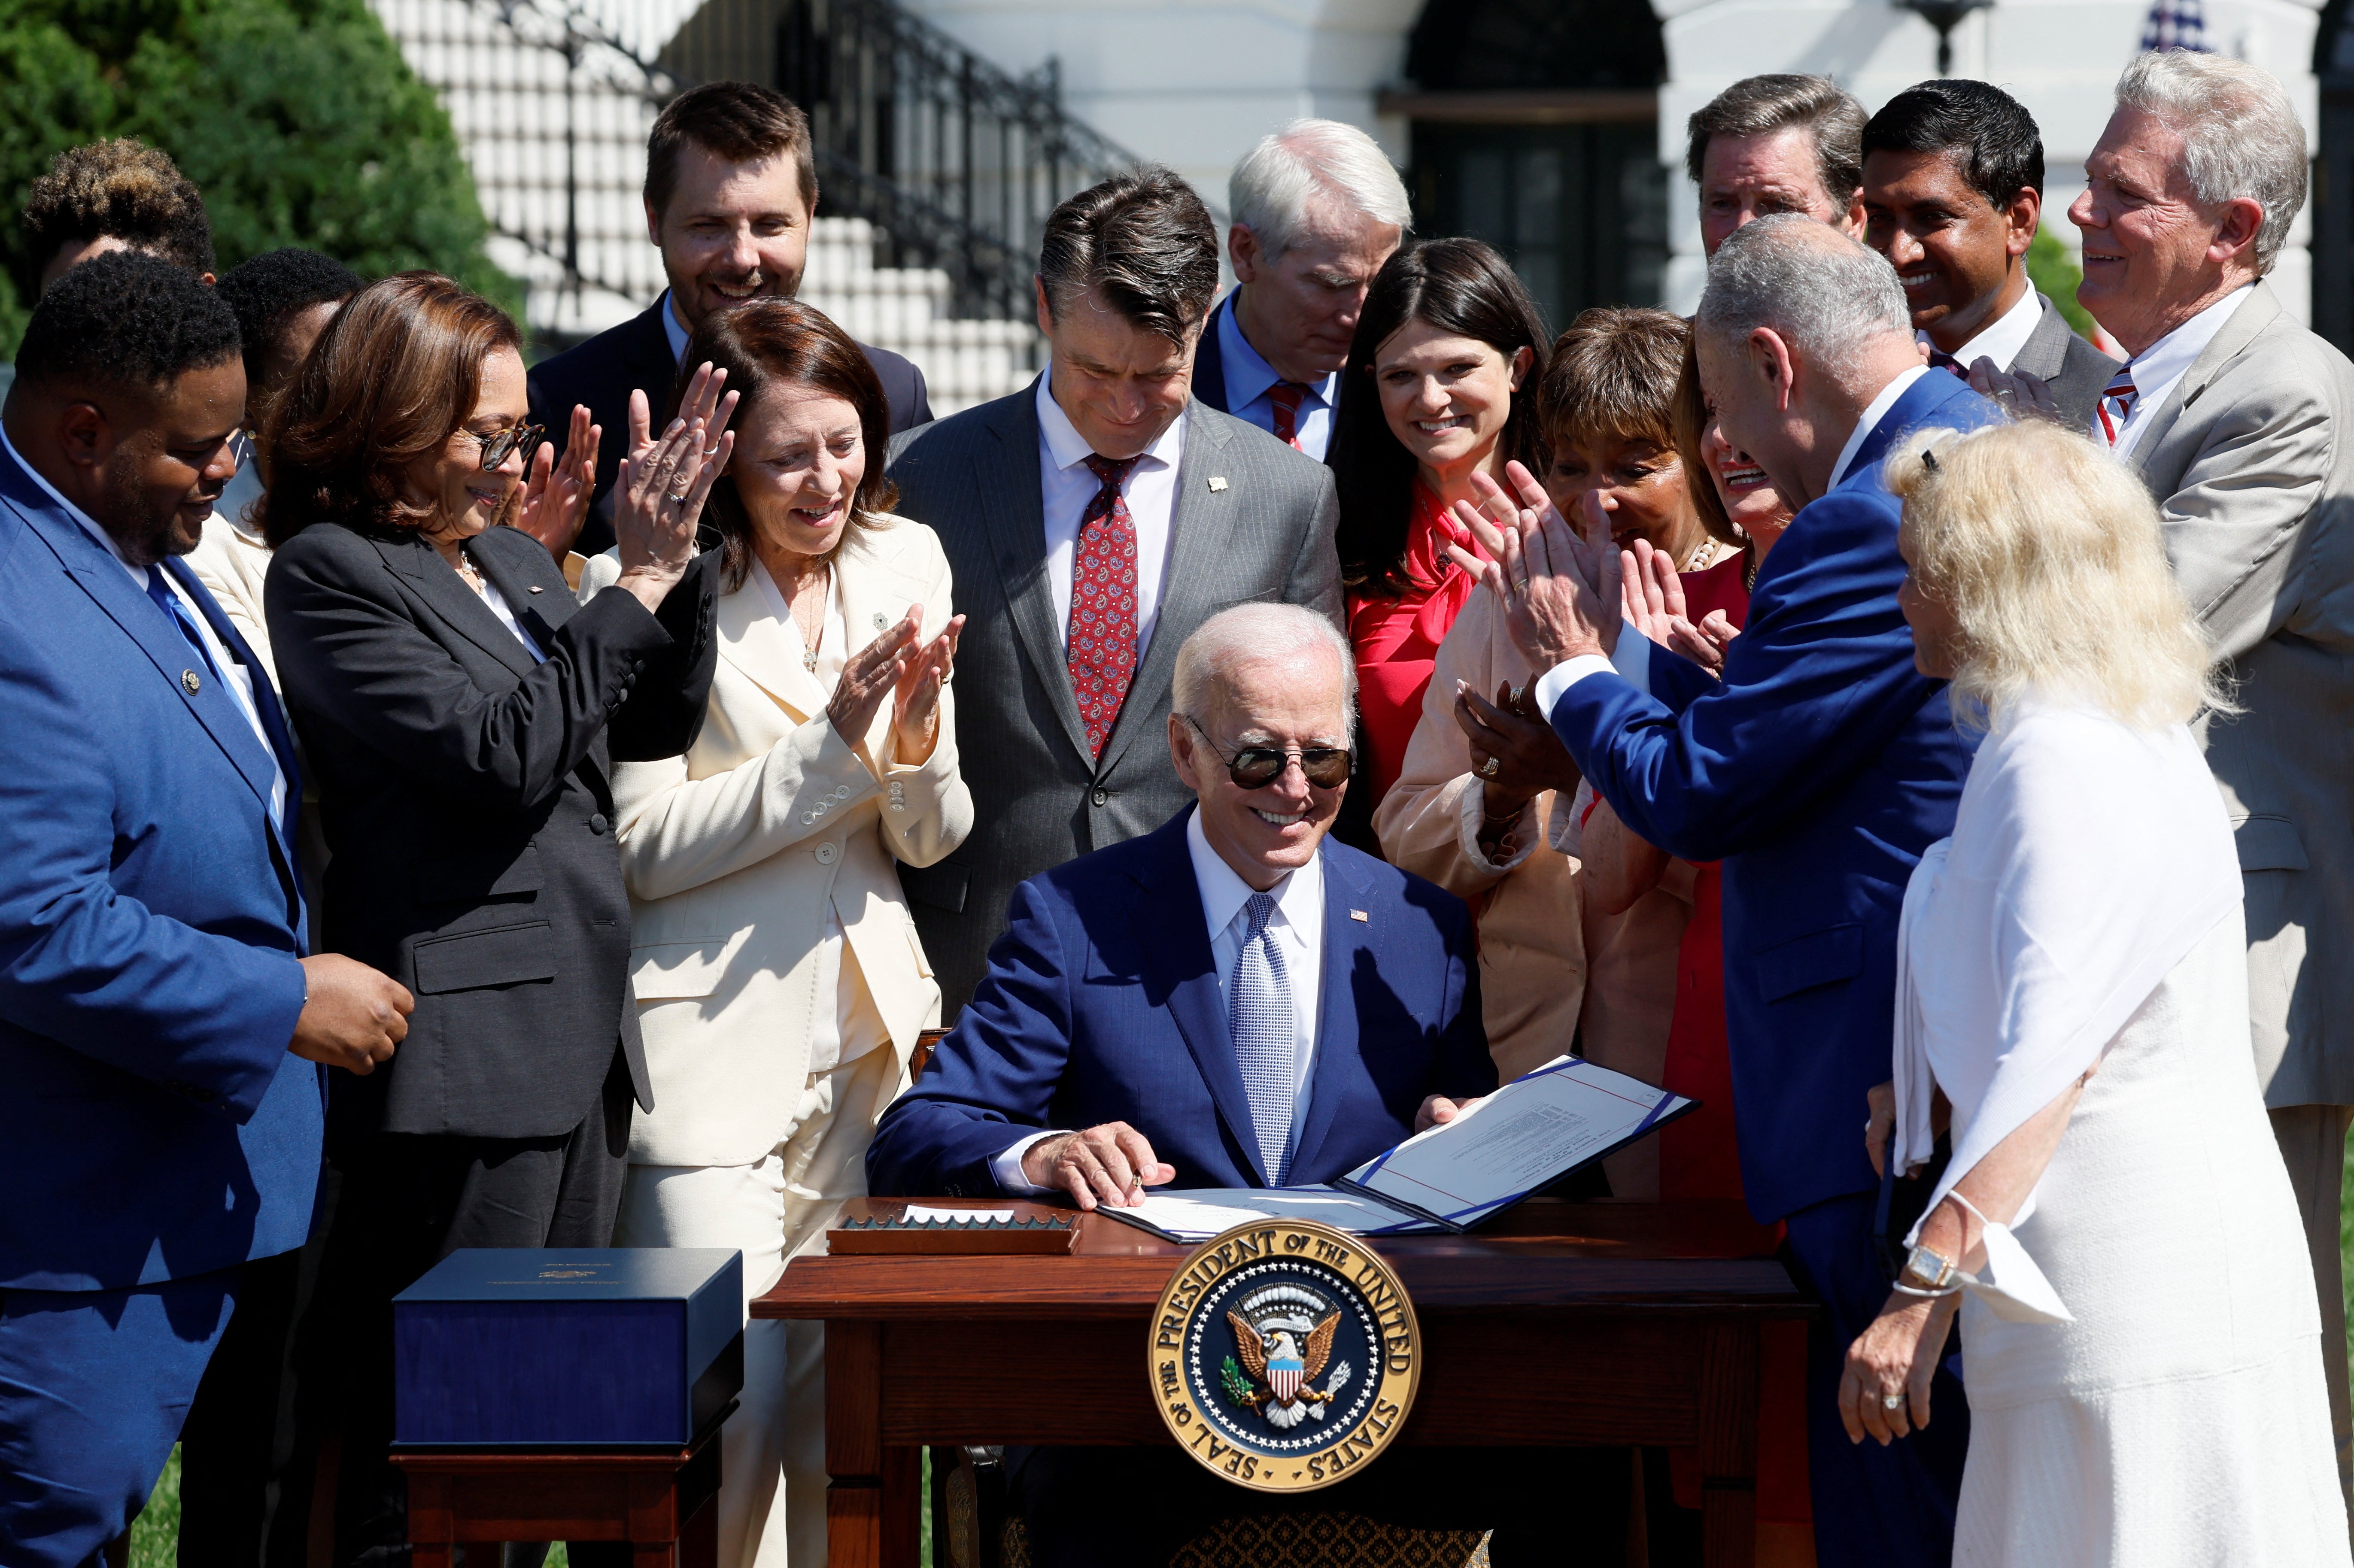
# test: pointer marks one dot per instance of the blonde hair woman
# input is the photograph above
(2115, 1226)
(779, 981)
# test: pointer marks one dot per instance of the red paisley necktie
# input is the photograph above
(1101, 650)
(1284, 397)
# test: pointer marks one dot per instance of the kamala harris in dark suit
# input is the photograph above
(463, 716)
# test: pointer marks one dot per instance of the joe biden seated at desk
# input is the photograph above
(1230, 1000)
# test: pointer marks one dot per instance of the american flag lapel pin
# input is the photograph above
(1217, 484)
(1360, 914)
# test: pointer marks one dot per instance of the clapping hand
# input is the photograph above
(664, 480)
(909, 673)
(1652, 602)
(1547, 579)
(556, 496)
(1516, 756)
(916, 701)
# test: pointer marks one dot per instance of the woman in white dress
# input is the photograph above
(2141, 1345)
(780, 981)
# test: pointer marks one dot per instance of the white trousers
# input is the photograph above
(773, 1476)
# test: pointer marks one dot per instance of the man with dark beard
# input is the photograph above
(160, 1025)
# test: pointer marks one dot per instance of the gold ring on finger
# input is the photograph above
(1490, 768)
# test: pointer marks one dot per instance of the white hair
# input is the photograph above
(1827, 295)
(1257, 633)
(1272, 189)
(2241, 135)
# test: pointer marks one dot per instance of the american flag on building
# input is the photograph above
(2175, 25)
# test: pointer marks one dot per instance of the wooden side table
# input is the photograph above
(662, 1504)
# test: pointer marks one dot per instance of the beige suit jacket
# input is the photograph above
(2251, 460)
(736, 853)
(1531, 959)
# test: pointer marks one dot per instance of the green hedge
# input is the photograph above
(298, 120)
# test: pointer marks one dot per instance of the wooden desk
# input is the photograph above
(1596, 1324)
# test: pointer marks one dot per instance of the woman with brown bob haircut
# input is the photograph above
(780, 981)
(463, 714)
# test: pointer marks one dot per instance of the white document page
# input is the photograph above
(1533, 1130)
(1204, 1213)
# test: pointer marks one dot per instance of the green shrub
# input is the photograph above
(298, 120)
(2056, 277)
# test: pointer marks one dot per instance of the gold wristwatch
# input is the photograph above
(1927, 1269)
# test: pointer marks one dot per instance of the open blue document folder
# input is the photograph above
(1532, 1132)
(588, 1347)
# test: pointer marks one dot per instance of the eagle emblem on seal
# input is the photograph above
(1284, 1335)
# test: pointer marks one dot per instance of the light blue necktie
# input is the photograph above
(1260, 1008)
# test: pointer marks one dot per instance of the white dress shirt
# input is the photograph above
(1632, 658)
(1297, 928)
(673, 332)
(2001, 338)
(2157, 369)
(233, 670)
(505, 612)
(1249, 378)
(1066, 485)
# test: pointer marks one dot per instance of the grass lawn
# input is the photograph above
(155, 1535)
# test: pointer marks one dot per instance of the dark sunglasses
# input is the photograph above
(497, 449)
(1257, 766)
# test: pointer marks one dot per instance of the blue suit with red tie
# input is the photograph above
(1817, 770)
(155, 1135)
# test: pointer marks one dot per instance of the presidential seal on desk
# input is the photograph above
(1283, 1354)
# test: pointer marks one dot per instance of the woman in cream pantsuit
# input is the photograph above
(779, 981)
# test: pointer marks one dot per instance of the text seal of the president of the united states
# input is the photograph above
(1285, 1354)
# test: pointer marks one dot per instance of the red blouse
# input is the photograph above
(1397, 640)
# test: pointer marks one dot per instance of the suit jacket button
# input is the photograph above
(826, 854)
(1100, 796)
(598, 824)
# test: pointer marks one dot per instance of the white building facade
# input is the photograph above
(1193, 82)
(1551, 128)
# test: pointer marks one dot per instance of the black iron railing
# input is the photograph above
(956, 161)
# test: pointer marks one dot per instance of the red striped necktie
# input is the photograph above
(1101, 648)
(2116, 403)
(1285, 395)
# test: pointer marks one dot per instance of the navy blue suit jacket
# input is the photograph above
(1101, 1003)
(1817, 771)
(153, 1124)
(602, 372)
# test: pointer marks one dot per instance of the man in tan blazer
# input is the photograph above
(2238, 418)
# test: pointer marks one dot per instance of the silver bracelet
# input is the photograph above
(1920, 1294)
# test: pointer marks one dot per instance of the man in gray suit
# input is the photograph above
(1953, 192)
(1093, 520)
(2237, 419)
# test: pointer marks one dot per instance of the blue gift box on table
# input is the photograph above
(580, 1347)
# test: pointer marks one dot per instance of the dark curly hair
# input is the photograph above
(269, 289)
(782, 342)
(393, 376)
(125, 319)
(121, 189)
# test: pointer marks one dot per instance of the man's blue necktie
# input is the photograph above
(265, 700)
(1260, 1008)
(160, 592)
